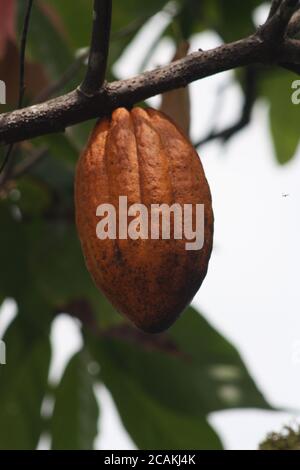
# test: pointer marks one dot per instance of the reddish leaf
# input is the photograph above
(35, 76)
(7, 23)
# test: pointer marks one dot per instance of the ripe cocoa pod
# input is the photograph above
(142, 154)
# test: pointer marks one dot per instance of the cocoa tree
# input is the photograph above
(166, 379)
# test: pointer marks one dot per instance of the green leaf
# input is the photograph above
(64, 278)
(60, 146)
(128, 17)
(58, 175)
(231, 19)
(34, 197)
(153, 426)
(284, 115)
(23, 381)
(80, 133)
(12, 252)
(42, 255)
(200, 357)
(46, 43)
(124, 12)
(77, 18)
(235, 18)
(191, 371)
(75, 418)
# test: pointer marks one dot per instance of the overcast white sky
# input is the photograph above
(251, 293)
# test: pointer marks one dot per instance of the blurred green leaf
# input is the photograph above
(128, 17)
(77, 19)
(75, 418)
(58, 175)
(40, 251)
(34, 197)
(46, 43)
(153, 426)
(216, 376)
(80, 133)
(64, 277)
(191, 371)
(235, 18)
(23, 381)
(284, 115)
(13, 262)
(231, 19)
(60, 146)
(21, 270)
(190, 18)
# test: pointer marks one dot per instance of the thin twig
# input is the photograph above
(7, 165)
(4, 166)
(68, 75)
(96, 70)
(274, 29)
(23, 52)
(245, 117)
(274, 8)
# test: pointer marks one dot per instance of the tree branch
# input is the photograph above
(82, 56)
(294, 25)
(96, 70)
(57, 114)
(275, 27)
(274, 7)
(79, 106)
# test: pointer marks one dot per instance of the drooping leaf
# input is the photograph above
(75, 18)
(128, 17)
(153, 426)
(202, 358)
(60, 147)
(23, 382)
(46, 43)
(79, 134)
(14, 268)
(75, 418)
(36, 79)
(34, 197)
(7, 23)
(190, 372)
(218, 15)
(235, 18)
(284, 114)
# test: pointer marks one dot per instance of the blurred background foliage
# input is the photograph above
(164, 386)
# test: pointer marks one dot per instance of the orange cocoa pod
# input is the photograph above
(142, 155)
